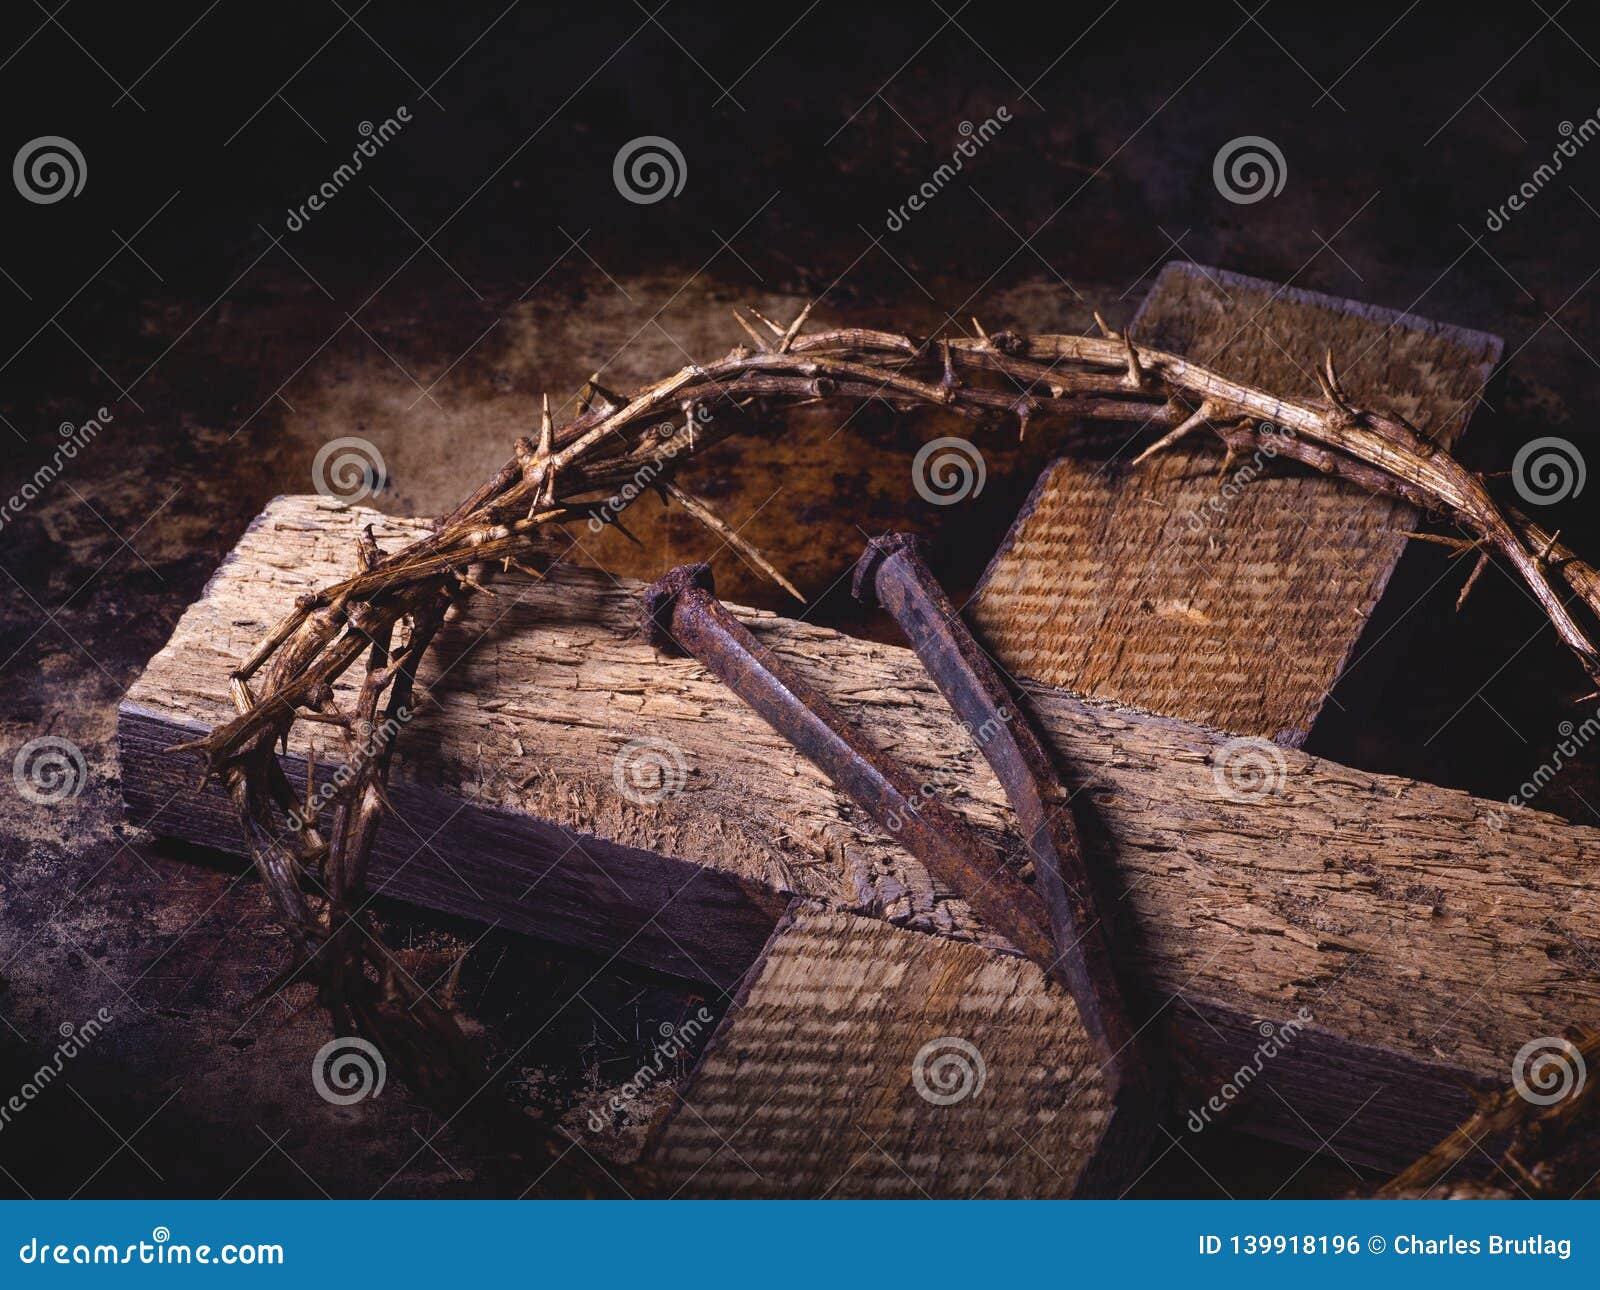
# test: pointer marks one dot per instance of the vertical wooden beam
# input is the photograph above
(1233, 599)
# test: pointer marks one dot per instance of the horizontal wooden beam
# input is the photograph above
(1427, 944)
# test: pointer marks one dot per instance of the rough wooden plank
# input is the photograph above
(1428, 945)
(873, 1062)
(1172, 588)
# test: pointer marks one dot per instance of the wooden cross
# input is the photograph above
(1425, 944)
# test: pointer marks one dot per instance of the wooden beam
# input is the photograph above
(1428, 945)
(1233, 602)
(863, 1060)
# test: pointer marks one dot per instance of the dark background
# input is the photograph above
(485, 255)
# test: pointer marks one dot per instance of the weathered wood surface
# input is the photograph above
(864, 1060)
(1167, 586)
(1427, 945)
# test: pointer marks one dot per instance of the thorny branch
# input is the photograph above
(589, 469)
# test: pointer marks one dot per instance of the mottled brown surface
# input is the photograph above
(1181, 590)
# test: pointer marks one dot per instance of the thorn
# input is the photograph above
(1544, 556)
(794, 329)
(987, 343)
(1472, 580)
(1593, 694)
(525, 568)
(717, 525)
(1333, 391)
(547, 439)
(1459, 545)
(760, 340)
(367, 551)
(1192, 423)
(948, 382)
(776, 330)
(615, 522)
(1135, 372)
(311, 780)
(593, 392)
(1104, 326)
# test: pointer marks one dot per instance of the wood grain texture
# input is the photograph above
(867, 1061)
(1167, 586)
(1428, 945)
